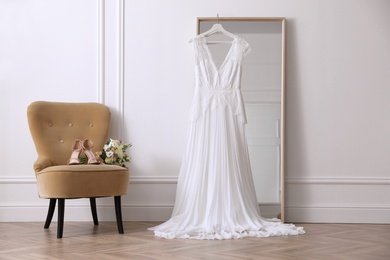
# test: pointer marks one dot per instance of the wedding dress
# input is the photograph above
(215, 196)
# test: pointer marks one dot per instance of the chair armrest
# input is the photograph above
(41, 163)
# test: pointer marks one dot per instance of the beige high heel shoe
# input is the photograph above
(76, 150)
(87, 146)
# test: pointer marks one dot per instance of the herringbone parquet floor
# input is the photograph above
(82, 240)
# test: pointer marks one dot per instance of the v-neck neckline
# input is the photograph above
(211, 58)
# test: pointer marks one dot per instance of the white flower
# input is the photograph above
(109, 153)
(119, 152)
(116, 144)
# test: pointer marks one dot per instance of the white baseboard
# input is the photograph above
(338, 200)
(338, 214)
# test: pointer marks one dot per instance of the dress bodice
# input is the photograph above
(218, 86)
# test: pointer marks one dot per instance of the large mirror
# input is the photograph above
(262, 88)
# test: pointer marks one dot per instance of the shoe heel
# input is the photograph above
(87, 146)
(76, 150)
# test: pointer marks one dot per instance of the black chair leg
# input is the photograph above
(61, 211)
(93, 210)
(50, 212)
(118, 213)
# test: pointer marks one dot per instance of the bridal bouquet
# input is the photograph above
(114, 152)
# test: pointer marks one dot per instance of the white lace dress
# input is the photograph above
(215, 196)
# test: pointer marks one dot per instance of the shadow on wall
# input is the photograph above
(295, 135)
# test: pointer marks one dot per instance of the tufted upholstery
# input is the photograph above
(54, 127)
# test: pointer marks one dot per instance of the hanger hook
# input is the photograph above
(217, 18)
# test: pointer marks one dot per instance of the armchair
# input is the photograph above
(54, 127)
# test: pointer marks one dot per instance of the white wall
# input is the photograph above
(134, 56)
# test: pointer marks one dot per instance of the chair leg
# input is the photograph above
(118, 213)
(93, 210)
(61, 211)
(50, 212)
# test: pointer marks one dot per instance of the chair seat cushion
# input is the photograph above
(82, 181)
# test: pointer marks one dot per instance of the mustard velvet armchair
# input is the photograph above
(54, 127)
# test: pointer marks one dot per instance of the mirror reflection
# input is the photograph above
(262, 89)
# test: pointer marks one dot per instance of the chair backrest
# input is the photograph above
(55, 126)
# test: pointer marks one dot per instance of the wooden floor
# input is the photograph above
(82, 240)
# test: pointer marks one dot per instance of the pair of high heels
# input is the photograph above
(84, 146)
